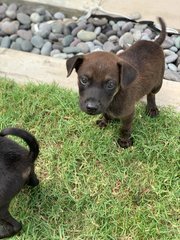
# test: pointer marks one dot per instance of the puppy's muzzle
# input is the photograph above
(92, 107)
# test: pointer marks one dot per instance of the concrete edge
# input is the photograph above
(25, 67)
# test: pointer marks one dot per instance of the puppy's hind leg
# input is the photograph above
(151, 109)
(8, 225)
(33, 180)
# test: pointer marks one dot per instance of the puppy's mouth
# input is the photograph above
(91, 107)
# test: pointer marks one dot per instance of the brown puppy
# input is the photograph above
(111, 84)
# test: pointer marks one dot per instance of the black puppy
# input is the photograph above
(16, 169)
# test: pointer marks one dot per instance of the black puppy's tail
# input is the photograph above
(27, 137)
(162, 35)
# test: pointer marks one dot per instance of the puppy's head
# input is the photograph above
(101, 76)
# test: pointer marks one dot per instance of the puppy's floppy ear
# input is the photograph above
(128, 73)
(73, 62)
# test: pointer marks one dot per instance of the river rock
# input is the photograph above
(126, 40)
(36, 17)
(46, 49)
(67, 40)
(26, 46)
(83, 47)
(177, 42)
(171, 75)
(86, 35)
(6, 42)
(11, 11)
(37, 41)
(10, 27)
(26, 35)
(23, 18)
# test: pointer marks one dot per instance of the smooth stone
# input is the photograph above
(53, 52)
(36, 18)
(171, 75)
(177, 42)
(23, 18)
(41, 10)
(3, 9)
(91, 28)
(67, 40)
(36, 51)
(83, 47)
(111, 22)
(126, 40)
(24, 9)
(48, 16)
(10, 27)
(44, 29)
(97, 30)
(120, 51)
(108, 46)
(178, 53)
(26, 46)
(168, 52)
(97, 49)
(178, 68)
(168, 42)
(75, 42)
(174, 49)
(66, 31)
(134, 16)
(102, 38)
(24, 27)
(86, 35)
(35, 28)
(145, 36)
(11, 11)
(178, 60)
(57, 27)
(166, 66)
(115, 27)
(98, 22)
(37, 41)
(98, 43)
(26, 35)
(149, 33)
(15, 46)
(113, 38)
(58, 45)
(127, 27)
(121, 23)
(71, 50)
(59, 16)
(13, 37)
(77, 29)
(54, 36)
(60, 55)
(137, 35)
(70, 55)
(6, 42)
(140, 27)
(171, 58)
(72, 25)
(19, 40)
(172, 67)
(110, 33)
(46, 49)
(91, 46)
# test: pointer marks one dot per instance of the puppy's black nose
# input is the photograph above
(91, 107)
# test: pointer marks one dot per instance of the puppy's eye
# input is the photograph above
(110, 85)
(84, 80)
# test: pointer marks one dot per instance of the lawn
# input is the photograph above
(90, 189)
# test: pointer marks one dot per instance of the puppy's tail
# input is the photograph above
(27, 137)
(162, 35)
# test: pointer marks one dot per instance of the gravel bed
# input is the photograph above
(41, 32)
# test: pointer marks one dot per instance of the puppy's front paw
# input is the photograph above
(152, 112)
(125, 143)
(102, 123)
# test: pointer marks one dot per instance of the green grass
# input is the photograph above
(91, 189)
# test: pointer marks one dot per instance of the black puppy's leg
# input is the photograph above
(151, 109)
(125, 139)
(9, 225)
(102, 123)
(33, 180)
